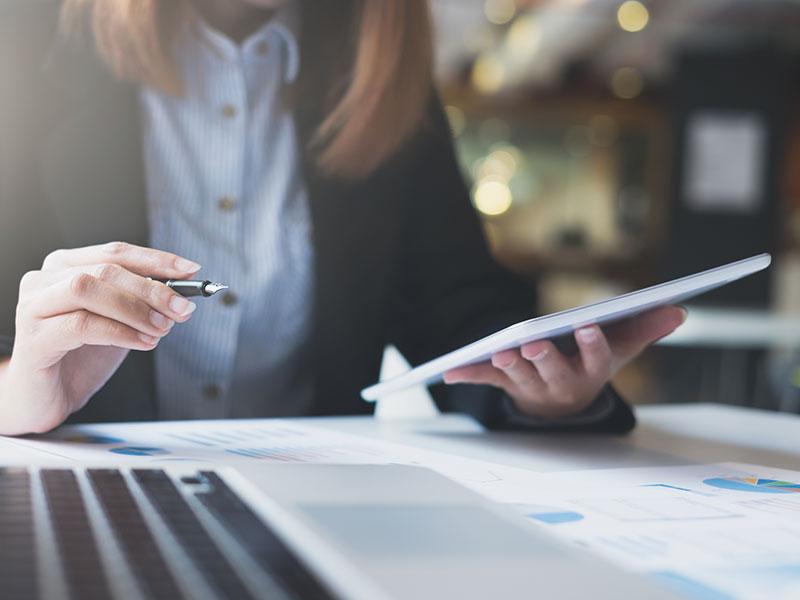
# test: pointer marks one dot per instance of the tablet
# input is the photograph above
(565, 322)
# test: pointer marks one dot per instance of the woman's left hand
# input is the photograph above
(543, 382)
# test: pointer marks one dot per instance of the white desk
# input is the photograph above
(666, 435)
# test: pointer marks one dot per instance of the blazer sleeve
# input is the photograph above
(448, 291)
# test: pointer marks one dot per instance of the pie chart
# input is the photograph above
(548, 514)
(754, 484)
(139, 451)
(92, 439)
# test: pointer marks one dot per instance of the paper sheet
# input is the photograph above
(709, 531)
(234, 441)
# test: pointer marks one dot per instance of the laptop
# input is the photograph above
(186, 530)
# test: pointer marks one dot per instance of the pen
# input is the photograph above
(190, 288)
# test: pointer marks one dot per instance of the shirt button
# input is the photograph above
(263, 48)
(228, 111)
(227, 204)
(211, 391)
(229, 299)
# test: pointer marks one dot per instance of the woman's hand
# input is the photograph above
(543, 382)
(77, 319)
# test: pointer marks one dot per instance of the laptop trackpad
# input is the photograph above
(403, 530)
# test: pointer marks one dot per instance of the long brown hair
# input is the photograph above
(384, 51)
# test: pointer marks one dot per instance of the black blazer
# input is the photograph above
(400, 255)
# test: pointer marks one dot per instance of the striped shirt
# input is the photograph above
(225, 190)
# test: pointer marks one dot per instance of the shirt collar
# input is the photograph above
(283, 28)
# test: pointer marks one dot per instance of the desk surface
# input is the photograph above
(666, 435)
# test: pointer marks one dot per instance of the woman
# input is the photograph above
(297, 151)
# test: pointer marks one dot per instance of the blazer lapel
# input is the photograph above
(352, 231)
(92, 165)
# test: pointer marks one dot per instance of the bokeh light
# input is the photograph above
(500, 12)
(488, 74)
(626, 83)
(492, 197)
(524, 37)
(499, 165)
(633, 16)
(511, 150)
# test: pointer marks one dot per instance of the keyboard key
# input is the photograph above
(86, 578)
(18, 568)
(191, 534)
(143, 554)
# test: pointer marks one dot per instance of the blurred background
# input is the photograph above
(615, 144)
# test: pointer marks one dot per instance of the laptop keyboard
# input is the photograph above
(18, 568)
(263, 545)
(77, 546)
(55, 526)
(189, 533)
(141, 550)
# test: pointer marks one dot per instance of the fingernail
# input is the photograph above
(541, 355)
(587, 334)
(186, 266)
(502, 362)
(147, 339)
(160, 321)
(685, 313)
(182, 306)
(450, 378)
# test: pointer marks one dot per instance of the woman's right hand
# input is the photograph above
(77, 319)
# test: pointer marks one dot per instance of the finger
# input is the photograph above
(32, 282)
(84, 292)
(628, 338)
(70, 331)
(520, 372)
(137, 259)
(595, 352)
(553, 367)
(161, 298)
(482, 372)
(157, 295)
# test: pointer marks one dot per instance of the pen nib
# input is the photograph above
(213, 288)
